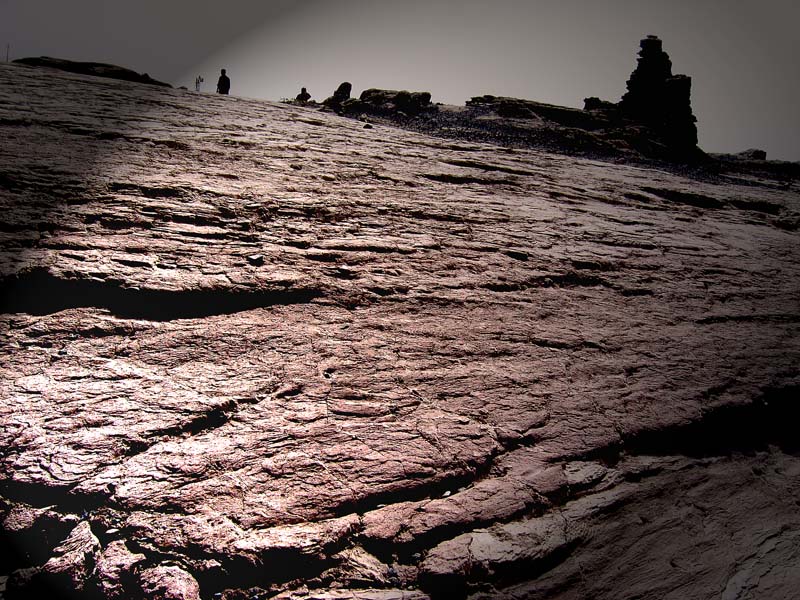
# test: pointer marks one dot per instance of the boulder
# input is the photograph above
(752, 154)
(411, 103)
(340, 95)
(595, 103)
(169, 582)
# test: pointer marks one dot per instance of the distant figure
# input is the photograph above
(303, 96)
(224, 84)
(197, 83)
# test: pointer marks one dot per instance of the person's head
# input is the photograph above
(223, 71)
(303, 90)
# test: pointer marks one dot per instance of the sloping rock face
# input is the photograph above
(252, 350)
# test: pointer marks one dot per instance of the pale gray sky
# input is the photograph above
(741, 55)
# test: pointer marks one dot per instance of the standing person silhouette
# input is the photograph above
(224, 84)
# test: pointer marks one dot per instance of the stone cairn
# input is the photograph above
(660, 99)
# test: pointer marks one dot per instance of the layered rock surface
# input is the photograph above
(254, 350)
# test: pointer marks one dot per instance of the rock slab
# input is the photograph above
(256, 350)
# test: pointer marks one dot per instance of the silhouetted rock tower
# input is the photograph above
(660, 99)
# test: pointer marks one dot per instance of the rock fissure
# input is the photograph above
(38, 292)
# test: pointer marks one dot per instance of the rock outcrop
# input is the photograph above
(255, 350)
(660, 99)
(90, 68)
(340, 95)
(752, 154)
(516, 108)
(382, 101)
(378, 102)
(653, 122)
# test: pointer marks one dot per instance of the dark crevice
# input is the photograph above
(428, 488)
(474, 164)
(117, 223)
(41, 495)
(366, 247)
(443, 217)
(38, 292)
(213, 418)
(726, 431)
(407, 551)
(275, 569)
(465, 179)
(738, 428)
(564, 345)
(761, 206)
(593, 265)
(633, 292)
(687, 198)
(741, 428)
(562, 280)
(626, 244)
(32, 546)
(270, 570)
(759, 318)
(480, 577)
(146, 191)
(193, 219)
(292, 564)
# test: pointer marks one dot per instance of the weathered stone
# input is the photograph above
(446, 344)
(362, 594)
(595, 103)
(69, 569)
(752, 154)
(169, 583)
(410, 103)
(660, 99)
(340, 95)
(358, 568)
(115, 570)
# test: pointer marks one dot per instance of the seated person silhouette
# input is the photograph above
(224, 84)
(303, 96)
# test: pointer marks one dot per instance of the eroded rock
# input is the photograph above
(169, 583)
(223, 373)
(660, 99)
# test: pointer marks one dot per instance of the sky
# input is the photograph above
(741, 55)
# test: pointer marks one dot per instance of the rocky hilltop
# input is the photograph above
(652, 122)
(253, 350)
(90, 68)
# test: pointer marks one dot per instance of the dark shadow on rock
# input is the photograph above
(37, 292)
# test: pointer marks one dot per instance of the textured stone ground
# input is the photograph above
(252, 350)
